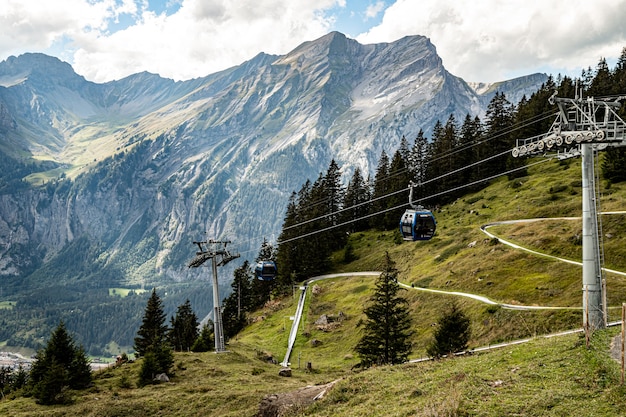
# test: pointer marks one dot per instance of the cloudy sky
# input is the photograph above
(480, 40)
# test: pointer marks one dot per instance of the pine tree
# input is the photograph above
(241, 300)
(153, 330)
(418, 158)
(387, 328)
(184, 328)
(452, 333)
(399, 179)
(287, 251)
(334, 193)
(152, 340)
(500, 117)
(60, 365)
(380, 189)
(355, 203)
(205, 340)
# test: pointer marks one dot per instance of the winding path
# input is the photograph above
(297, 318)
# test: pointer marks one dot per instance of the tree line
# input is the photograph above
(460, 157)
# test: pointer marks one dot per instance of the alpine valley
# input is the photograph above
(104, 187)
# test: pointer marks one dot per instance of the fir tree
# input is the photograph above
(205, 340)
(152, 339)
(355, 203)
(287, 251)
(380, 189)
(59, 366)
(418, 158)
(153, 330)
(184, 328)
(452, 333)
(240, 301)
(399, 179)
(387, 328)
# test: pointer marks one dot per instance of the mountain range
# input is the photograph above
(107, 185)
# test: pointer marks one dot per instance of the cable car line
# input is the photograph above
(404, 204)
(397, 192)
(451, 152)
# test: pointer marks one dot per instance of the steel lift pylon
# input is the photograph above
(582, 128)
(212, 250)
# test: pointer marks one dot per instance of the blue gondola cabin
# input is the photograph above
(417, 225)
(266, 270)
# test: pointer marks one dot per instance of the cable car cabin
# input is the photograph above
(417, 225)
(266, 270)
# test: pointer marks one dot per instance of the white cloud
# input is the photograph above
(496, 40)
(374, 9)
(488, 40)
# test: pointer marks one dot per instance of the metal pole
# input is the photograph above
(218, 329)
(592, 280)
(623, 324)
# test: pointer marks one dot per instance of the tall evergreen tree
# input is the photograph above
(602, 84)
(153, 330)
(287, 251)
(418, 163)
(334, 192)
(59, 366)
(241, 300)
(355, 203)
(399, 179)
(444, 159)
(470, 136)
(152, 342)
(499, 141)
(386, 336)
(184, 328)
(380, 189)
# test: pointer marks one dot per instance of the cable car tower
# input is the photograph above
(582, 128)
(211, 250)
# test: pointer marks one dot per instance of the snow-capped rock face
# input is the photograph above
(158, 163)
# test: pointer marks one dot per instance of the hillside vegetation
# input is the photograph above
(546, 376)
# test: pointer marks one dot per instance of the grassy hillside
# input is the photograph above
(546, 376)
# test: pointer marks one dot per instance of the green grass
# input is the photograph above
(123, 292)
(557, 376)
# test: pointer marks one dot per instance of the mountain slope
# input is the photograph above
(122, 177)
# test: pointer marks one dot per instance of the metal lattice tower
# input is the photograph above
(582, 128)
(212, 250)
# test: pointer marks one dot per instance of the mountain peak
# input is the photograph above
(36, 63)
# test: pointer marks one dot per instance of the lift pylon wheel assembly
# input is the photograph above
(578, 121)
(583, 127)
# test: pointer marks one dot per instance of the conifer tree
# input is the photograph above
(205, 340)
(500, 117)
(387, 332)
(241, 300)
(380, 189)
(287, 250)
(152, 341)
(399, 179)
(334, 192)
(153, 330)
(418, 158)
(452, 333)
(355, 203)
(60, 365)
(184, 328)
